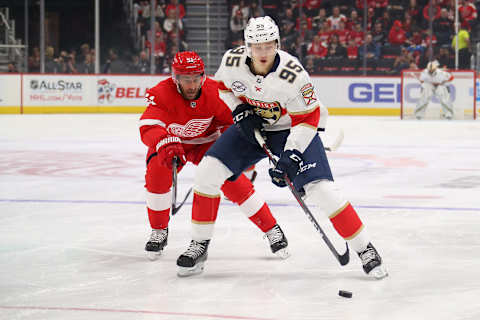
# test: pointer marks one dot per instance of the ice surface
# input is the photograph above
(73, 226)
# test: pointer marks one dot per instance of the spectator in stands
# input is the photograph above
(316, 49)
(335, 48)
(287, 16)
(144, 63)
(113, 64)
(311, 7)
(50, 64)
(256, 10)
(378, 35)
(468, 13)
(335, 18)
(397, 36)
(34, 60)
(443, 27)
(310, 65)
(84, 51)
(237, 23)
(352, 49)
(463, 47)
(11, 67)
(243, 8)
(134, 65)
(414, 12)
(289, 37)
(177, 9)
(160, 47)
(319, 19)
(357, 34)
(444, 58)
(403, 61)
(397, 9)
(86, 66)
(379, 7)
(171, 24)
(342, 33)
(372, 48)
(436, 9)
(385, 20)
(353, 20)
(325, 32)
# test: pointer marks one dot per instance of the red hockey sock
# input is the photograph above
(264, 218)
(158, 219)
(205, 208)
(346, 222)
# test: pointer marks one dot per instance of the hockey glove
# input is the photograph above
(168, 148)
(247, 121)
(288, 164)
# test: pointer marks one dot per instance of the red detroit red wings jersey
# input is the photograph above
(196, 122)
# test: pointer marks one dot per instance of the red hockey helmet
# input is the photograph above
(187, 62)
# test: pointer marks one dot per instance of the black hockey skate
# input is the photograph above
(278, 242)
(156, 243)
(372, 262)
(193, 260)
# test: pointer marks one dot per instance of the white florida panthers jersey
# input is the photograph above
(439, 76)
(285, 97)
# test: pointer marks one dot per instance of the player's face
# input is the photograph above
(263, 54)
(190, 85)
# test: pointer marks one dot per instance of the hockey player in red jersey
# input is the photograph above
(184, 117)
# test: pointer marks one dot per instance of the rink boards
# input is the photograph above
(48, 93)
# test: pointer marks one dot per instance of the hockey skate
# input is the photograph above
(278, 242)
(372, 263)
(156, 243)
(192, 261)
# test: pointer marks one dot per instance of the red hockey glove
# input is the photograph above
(168, 148)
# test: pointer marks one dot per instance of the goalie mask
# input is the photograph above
(432, 66)
(188, 73)
(259, 30)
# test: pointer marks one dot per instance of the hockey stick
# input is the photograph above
(338, 141)
(342, 259)
(176, 208)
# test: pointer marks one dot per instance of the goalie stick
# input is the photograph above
(176, 208)
(342, 259)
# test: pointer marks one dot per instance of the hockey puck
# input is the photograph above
(345, 294)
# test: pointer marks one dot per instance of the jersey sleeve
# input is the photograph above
(223, 115)
(151, 125)
(305, 111)
(223, 79)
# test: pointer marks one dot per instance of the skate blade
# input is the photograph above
(283, 253)
(379, 272)
(186, 272)
(153, 255)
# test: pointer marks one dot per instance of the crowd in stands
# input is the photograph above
(328, 36)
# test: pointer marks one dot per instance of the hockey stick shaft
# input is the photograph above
(342, 259)
(176, 208)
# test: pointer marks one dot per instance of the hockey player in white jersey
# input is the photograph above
(434, 82)
(269, 90)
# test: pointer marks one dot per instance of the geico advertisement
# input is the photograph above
(342, 92)
(124, 90)
(10, 90)
(61, 90)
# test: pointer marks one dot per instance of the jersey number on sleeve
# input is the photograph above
(290, 75)
(234, 59)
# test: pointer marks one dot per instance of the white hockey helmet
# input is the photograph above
(432, 66)
(259, 30)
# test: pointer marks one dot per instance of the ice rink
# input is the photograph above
(73, 226)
